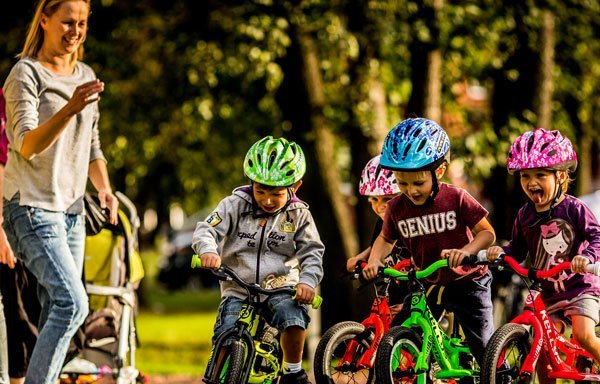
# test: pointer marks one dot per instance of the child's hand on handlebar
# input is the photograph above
(351, 263)
(494, 252)
(372, 269)
(305, 293)
(454, 256)
(210, 260)
(578, 264)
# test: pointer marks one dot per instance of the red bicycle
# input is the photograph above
(346, 352)
(515, 348)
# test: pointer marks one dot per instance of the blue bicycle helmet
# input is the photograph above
(415, 145)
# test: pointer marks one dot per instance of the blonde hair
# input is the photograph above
(565, 183)
(35, 34)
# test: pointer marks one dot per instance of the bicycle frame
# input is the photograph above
(376, 324)
(546, 338)
(446, 349)
(246, 328)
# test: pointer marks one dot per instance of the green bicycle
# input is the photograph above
(249, 352)
(405, 353)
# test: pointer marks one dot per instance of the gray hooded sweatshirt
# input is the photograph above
(259, 247)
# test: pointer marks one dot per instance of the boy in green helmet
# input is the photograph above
(261, 231)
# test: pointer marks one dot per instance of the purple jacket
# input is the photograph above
(573, 230)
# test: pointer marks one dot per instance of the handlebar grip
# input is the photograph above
(196, 261)
(593, 268)
(316, 303)
(482, 255)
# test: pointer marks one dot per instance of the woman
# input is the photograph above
(52, 126)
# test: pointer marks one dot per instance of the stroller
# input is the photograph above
(113, 271)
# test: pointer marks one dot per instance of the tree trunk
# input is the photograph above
(426, 64)
(545, 79)
(324, 143)
(433, 95)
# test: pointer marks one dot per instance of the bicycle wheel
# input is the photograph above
(229, 364)
(331, 349)
(397, 356)
(505, 354)
(235, 371)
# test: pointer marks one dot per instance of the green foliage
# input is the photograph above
(191, 84)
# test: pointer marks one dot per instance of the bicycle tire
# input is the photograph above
(237, 357)
(507, 349)
(397, 356)
(331, 348)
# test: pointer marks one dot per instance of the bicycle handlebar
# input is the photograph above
(432, 268)
(536, 273)
(226, 273)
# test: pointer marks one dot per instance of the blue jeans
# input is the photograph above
(283, 313)
(3, 347)
(50, 244)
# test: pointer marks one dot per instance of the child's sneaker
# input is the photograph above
(299, 377)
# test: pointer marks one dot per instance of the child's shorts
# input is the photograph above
(283, 313)
(583, 305)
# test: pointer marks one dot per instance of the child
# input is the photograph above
(435, 220)
(256, 231)
(380, 186)
(554, 227)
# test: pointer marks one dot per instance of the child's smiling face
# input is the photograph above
(417, 186)
(379, 204)
(269, 199)
(540, 186)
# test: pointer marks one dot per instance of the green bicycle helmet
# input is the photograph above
(275, 162)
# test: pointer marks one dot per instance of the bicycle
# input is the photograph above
(249, 352)
(346, 352)
(514, 349)
(404, 356)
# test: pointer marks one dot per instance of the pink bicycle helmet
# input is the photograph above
(376, 181)
(541, 148)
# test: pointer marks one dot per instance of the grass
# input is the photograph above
(174, 328)
(174, 343)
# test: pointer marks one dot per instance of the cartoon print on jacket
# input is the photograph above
(556, 241)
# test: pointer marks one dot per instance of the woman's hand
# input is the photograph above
(110, 201)
(85, 94)
(6, 254)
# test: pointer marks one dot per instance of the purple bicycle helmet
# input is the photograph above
(376, 181)
(541, 148)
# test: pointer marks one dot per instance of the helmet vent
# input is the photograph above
(417, 132)
(406, 149)
(290, 172)
(544, 146)
(250, 164)
(272, 157)
(421, 145)
(552, 152)
(530, 143)
(284, 164)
